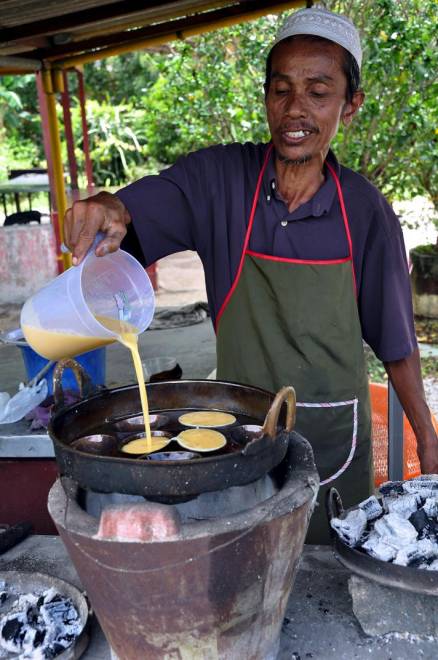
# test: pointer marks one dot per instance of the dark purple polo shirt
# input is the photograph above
(203, 203)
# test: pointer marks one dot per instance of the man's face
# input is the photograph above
(306, 99)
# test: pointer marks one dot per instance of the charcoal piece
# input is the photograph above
(53, 650)
(52, 596)
(417, 553)
(12, 629)
(3, 596)
(40, 626)
(379, 548)
(351, 528)
(371, 507)
(391, 488)
(426, 485)
(62, 612)
(39, 638)
(395, 530)
(431, 507)
(425, 526)
(404, 505)
(433, 566)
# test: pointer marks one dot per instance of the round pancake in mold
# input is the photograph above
(201, 440)
(207, 419)
(141, 445)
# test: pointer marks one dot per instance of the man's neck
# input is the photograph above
(298, 182)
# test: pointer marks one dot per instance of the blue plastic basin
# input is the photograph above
(93, 362)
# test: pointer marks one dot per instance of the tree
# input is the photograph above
(394, 140)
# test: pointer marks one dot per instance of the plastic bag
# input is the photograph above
(14, 408)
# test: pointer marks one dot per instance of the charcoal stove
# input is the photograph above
(194, 558)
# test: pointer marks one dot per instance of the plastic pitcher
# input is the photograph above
(62, 318)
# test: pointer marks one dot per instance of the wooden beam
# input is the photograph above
(22, 64)
(164, 32)
(76, 19)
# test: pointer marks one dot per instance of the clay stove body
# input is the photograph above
(198, 589)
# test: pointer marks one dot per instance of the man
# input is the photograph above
(302, 256)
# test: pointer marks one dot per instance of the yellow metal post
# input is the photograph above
(50, 86)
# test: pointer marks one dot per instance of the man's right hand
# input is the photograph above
(103, 212)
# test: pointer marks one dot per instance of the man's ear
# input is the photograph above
(351, 108)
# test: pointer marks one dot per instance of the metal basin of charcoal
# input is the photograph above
(419, 581)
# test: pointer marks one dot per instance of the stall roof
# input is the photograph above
(65, 34)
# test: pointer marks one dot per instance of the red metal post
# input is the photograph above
(66, 109)
(46, 141)
(86, 144)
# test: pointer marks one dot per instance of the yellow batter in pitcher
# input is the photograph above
(57, 345)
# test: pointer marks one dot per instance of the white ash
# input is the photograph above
(38, 626)
(406, 531)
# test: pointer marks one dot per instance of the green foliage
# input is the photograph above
(117, 140)
(428, 250)
(20, 134)
(394, 140)
(208, 91)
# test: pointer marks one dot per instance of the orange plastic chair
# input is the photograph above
(379, 414)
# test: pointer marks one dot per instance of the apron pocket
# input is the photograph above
(331, 428)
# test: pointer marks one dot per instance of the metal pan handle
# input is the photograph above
(286, 394)
(82, 378)
(333, 504)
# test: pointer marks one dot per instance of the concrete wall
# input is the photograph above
(27, 260)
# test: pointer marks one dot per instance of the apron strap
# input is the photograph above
(346, 223)
(248, 233)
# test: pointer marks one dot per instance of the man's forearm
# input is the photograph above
(405, 376)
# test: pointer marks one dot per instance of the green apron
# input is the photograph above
(296, 322)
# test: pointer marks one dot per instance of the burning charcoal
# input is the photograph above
(395, 530)
(350, 528)
(390, 488)
(379, 548)
(430, 507)
(404, 505)
(371, 507)
(416, 553)
(425, 526)
(433, 566)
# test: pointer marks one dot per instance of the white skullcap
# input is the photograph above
(323, 23)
